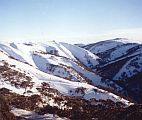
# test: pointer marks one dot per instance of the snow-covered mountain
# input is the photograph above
(61, 65)
(55, 70)
(121, 60)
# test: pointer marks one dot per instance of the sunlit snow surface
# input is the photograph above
(34, 116)
(36, 68)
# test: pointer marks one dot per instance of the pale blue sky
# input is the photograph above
(68, 20)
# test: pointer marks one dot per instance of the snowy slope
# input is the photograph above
(121, 62)
(102, 46)
(25, 63)
(86, 57)
(55, 59)
(123, 53)
(131, 67)
(34, 116)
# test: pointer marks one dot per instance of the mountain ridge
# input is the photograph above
(121, 60)
(59, 73)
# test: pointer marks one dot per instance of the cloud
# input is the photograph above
(85, 38)
(132, 34)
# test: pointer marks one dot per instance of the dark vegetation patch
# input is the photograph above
(5, 113)
(77, 108)
(15, 77)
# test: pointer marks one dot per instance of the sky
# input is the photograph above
(72, 21)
